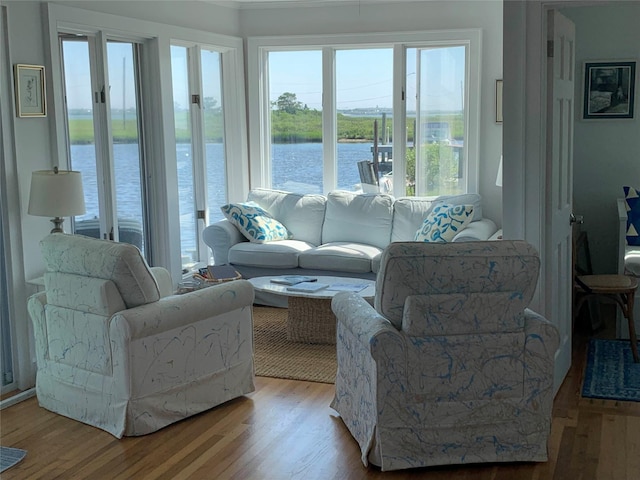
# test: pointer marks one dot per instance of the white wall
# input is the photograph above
(413, 16)
(606, 152)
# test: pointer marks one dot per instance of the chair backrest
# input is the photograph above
(484, 286)
(68, 258)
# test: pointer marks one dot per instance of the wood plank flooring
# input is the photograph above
(286, 430)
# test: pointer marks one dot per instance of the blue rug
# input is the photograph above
(10, 456)
(610, 371)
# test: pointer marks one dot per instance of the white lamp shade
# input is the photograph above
(499, 176)
(56, 194)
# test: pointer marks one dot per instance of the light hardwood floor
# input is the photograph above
(286, 430)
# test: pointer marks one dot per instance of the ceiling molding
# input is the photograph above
(253, 4)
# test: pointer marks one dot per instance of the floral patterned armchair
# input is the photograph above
(450, 367)
(113, 354)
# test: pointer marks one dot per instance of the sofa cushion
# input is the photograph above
(342, 256)
(408, 215)
(279, 254)
(358, 218)
(303, 215)
(254, 222)
(444, 222)
(91, 257)
(632, 203)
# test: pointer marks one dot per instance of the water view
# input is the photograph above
(296, 167)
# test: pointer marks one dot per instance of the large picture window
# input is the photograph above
(325, 116)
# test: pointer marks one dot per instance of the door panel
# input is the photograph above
(559, 262)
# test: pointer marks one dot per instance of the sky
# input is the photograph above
(364, 77)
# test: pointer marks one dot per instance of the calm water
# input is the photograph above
(296, 168)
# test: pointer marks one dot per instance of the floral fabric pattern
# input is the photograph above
(444, 222)
(254, 222)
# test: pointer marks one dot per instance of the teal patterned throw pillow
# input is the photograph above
(444, 222)
(254, 222)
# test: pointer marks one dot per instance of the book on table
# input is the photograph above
(307, 287)
(348, 287)
(292, 279)
(221, 273)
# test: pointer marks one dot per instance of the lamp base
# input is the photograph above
(57, 225)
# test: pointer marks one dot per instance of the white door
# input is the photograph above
(559, 174)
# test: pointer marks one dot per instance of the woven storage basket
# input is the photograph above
(311, 320)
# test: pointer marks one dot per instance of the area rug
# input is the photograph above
(610, 371)
(277, 357)
(10, 456)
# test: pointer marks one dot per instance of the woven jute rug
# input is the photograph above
(277, 357)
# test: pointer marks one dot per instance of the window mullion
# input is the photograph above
(198, 144)
(399, 134)
(329, 120)
(103, 137)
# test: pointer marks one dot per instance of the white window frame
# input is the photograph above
(259, 106)
(159, 141)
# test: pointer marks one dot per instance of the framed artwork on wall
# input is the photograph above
(609, 89)
(30, 90)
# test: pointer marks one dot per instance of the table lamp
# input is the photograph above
(56, 193)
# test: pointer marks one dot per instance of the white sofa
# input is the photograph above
(340, 234)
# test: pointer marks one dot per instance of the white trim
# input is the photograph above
(17, 398)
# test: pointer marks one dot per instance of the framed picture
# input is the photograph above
(498, 101)
(30, 92)
(609, 89)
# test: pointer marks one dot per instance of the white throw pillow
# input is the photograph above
(444, 222)
(254, 222)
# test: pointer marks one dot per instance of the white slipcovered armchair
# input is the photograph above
(113, 354)
(450, 367)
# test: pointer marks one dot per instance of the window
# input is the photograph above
(200, 145)
(104, 128)
(325, 117)
(148, 164)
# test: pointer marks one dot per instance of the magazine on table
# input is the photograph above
(292, 279)
(347, 287)
(307, 287)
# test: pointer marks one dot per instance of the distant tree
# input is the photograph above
(288, 102)
(209, 103)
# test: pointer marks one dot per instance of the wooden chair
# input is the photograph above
(619, 288)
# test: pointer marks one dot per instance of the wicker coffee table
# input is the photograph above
(310, 318)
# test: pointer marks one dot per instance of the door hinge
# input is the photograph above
(195, 99)
(201, 214)
(550, 48)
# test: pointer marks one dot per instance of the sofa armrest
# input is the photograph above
(477, 231)
(541, 343)
(358, 316)
(220, 237)
(182, 310)
(163, 279)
